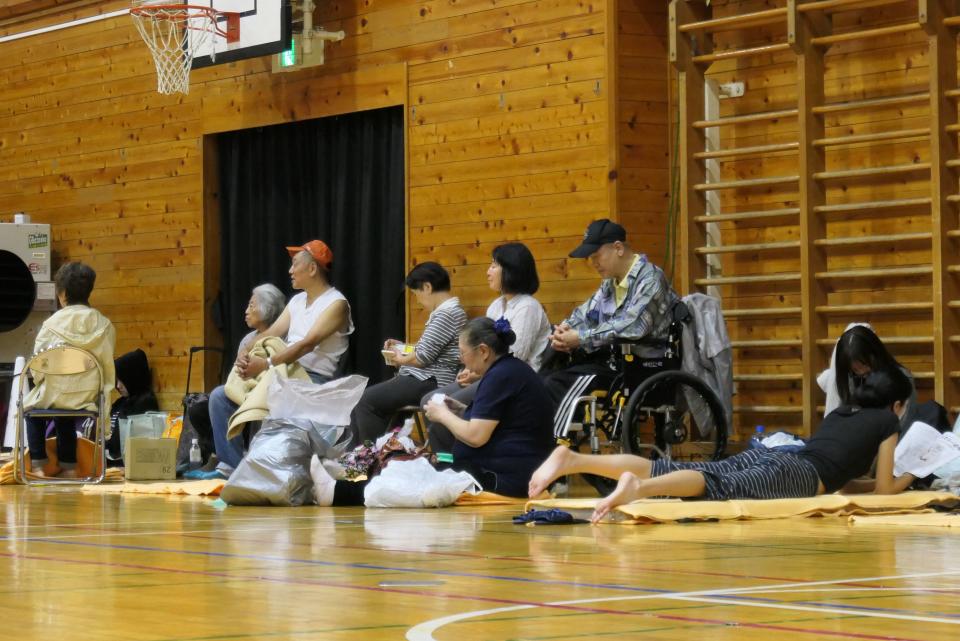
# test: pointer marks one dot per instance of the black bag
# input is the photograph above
(196, 417)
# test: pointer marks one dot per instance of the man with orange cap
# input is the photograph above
(316, 325)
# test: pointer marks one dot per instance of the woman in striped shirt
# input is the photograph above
(432, 363)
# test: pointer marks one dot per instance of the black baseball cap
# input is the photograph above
(599, 232)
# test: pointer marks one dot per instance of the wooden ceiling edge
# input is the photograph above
(24, 15)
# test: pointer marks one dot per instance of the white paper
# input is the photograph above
(924, 450)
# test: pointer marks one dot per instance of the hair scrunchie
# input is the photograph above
(502, 329)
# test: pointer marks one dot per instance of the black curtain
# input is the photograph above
(339, 179)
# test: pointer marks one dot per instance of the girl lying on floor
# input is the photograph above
(842, 450)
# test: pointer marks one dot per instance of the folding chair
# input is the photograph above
(54, 366)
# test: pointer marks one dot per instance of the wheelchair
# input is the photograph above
(651, 407)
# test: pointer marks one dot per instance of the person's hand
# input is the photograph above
(466, 377)
(565, 339)
(241, 362)
(252, 368)
(437, 411)
(390, 342)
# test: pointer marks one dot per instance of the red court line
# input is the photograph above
(473, 555)
(461, 597)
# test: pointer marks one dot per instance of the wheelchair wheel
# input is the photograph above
(658, 419)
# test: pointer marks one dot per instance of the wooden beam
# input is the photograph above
(746, 151)
(210, 365)
(731, 54)
(833, 6)
(691, 94)
(739, 120)
(875, 308)
(879, 32)
(942, 47)
(871, 102)
(872, 240)
(874, 204)
(749, 279)
(879, 272)
(749, 182)
(812, 194)
(868, 172)
(764, 311)
(886, 135)
(752, 247)
(786, 212)
(739, 21)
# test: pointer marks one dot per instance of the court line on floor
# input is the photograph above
(386, 568)
(424, 631)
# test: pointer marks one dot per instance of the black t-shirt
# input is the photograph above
(511, 393)
(847, 442)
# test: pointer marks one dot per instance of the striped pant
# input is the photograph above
(752, 474)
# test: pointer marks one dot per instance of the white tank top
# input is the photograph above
(326, 355)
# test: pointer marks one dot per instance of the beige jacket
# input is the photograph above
(79, 326)
(252, 394)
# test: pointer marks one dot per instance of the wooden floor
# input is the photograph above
(83, 567)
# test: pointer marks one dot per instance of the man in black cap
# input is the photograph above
(634, 301)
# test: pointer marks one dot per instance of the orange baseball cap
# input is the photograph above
(316, 248)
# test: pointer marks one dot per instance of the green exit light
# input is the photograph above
(288, 58)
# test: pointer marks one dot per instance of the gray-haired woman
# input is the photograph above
(265, 306)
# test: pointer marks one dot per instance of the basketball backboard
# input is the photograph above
(265, 29)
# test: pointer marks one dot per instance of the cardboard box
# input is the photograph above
(151, 459)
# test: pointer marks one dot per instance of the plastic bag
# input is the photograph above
(329, 403)
(416, 484)
(276, 469)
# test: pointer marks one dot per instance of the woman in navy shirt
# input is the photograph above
(504, 435)
(507, 431)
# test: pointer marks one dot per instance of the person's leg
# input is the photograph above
(229, 451)
(566, 386)
(380, 401)
(37, 442)
(317, 378)
(630, 487)
(565, 461)
(328, 491)
(66, 427)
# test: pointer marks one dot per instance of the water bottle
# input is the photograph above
(757, 440)
(196, 459)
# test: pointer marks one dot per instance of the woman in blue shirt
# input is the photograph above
(504, 434)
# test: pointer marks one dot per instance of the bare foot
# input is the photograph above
(628, 489)
(553, 468)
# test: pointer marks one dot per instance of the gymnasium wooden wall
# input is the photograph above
(511, 132)
(900, 299)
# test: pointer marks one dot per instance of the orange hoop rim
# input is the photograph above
(187, 12)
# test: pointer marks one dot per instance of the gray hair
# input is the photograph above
(269, 301)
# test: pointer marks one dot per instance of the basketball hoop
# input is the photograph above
(175, 32)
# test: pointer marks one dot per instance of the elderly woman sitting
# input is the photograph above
(265, 306)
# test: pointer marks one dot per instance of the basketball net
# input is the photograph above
(174, 33)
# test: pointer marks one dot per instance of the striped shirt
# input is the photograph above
(437, 348)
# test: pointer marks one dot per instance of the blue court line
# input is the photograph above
(357, 566)
(368, 566)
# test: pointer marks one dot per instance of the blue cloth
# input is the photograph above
(552, 516)
(512, 394)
